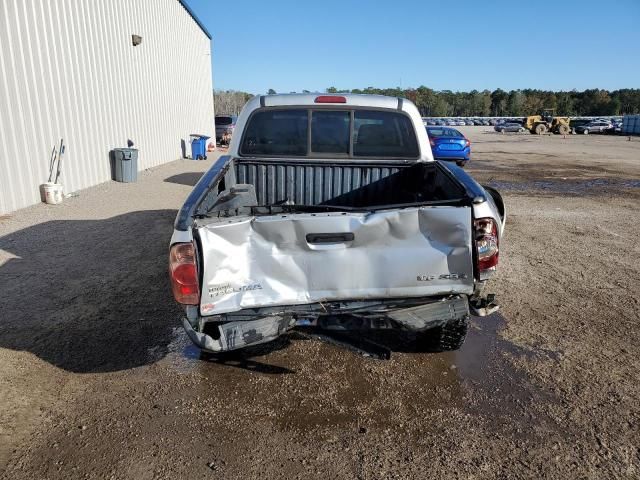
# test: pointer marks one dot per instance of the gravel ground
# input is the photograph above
(98, 381)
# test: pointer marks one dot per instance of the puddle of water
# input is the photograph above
(568, 186)
(480, 379)
(496, 389)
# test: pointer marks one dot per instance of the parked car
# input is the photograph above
(598, 126)
(449, 144)
(509, 127)
(225, 124)
(615, 129)
(409, 246)
(577, 122)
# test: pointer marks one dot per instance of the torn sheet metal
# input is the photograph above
(234, 335)
(252, 262)
(431, 315)
(239, 334)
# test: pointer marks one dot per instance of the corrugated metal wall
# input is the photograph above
(68, 70)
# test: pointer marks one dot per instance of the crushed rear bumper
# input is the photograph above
(235, 335)
(232, 335)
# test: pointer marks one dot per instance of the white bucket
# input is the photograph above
(52, 193)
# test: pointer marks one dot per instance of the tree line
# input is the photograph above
(229, 102)
(500, 103)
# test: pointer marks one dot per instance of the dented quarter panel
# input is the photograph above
(483, 203)
(180, 236)
(252, 262)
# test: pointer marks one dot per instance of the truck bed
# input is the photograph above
(305, 233)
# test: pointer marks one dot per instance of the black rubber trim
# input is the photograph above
(400, 102)
(207, 182)
(475, 192)
(262, 100)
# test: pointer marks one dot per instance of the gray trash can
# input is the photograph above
(126, 165)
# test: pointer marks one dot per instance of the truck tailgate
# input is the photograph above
(251, 262)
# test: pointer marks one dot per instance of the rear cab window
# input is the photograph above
(348, 133)
(277, 132)
(385, 134)
(443, 132)
(330, 131)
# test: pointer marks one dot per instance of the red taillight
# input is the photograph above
(184, 274)
(432, 142)
(467, 142)
(487, 243)
(330, 99)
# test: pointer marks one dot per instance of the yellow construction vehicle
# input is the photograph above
(547, 122)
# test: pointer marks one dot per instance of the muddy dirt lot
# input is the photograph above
(97, 380)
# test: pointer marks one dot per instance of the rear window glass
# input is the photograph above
(443, 132)
(277, 132)
(224, 120)
(330, 131)
(384, 134)
(286, 132)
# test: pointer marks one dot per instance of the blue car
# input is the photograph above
(449, 144)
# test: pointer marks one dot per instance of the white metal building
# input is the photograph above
(69, 69)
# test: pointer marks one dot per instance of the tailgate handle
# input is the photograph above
(330, 237)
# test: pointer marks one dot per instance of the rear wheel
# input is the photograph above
(563, 130)
(585, 131)
(444, 338)
(521, 130)
(540, 129)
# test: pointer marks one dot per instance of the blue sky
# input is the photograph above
(456, 45)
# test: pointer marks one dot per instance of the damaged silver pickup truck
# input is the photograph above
(330, 212)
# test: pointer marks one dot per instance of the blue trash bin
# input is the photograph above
(199, 146)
